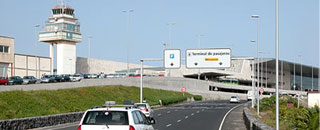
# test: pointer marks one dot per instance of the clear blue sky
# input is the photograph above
(224, 23)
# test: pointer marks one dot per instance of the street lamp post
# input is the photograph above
(36, 46)
(300, 72)
(277, 64)
(89, 53)
(294, 74)
(199, 42)
(257, 17)
(170, 24)
(127, 34)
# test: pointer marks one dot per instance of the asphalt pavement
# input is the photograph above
(205, 115)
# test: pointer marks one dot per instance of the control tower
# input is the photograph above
(63, 30)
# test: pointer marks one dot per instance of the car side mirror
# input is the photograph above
(152, 121)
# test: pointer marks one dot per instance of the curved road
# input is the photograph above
(205, 115)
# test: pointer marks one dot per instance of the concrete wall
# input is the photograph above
(98, 66)
(27, 65)
(66, 58)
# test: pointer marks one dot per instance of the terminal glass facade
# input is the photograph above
(306, 83)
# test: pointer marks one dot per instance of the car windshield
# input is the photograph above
(233, 97)
(106, 117)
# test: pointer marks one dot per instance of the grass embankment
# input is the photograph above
(19, 104)
(290, 116)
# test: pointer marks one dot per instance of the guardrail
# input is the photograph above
(251, 122)
(41, 121)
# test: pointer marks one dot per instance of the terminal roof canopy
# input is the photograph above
(289, 66)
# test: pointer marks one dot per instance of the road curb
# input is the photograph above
(221, 124)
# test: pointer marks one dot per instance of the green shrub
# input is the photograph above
(197, 97)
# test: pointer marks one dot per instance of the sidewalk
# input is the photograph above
(234, 120)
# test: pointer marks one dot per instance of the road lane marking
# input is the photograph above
(220, 127)
(186, 117)
(192, 114)
(178, 120)
(159, 114)
(168, 112)
(198, 111)
(168, 125)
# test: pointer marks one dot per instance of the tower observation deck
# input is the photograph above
(63, 30)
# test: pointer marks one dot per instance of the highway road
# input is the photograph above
(205, 115)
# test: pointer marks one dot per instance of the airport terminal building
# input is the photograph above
(243, 71)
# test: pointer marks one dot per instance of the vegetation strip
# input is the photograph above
(20, 104)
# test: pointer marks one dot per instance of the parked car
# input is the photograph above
(235, 99)
(29, 80)
(15, 80)
(86, 76)
(115, 118)
(93, 76)
(47, 79)
(145, 108)
(76, 77)
(4, 80)
(65, 77)
(57, 78)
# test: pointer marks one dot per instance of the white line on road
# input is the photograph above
(198, 111)
(168, 125)
(186, 117)
(159, 114)
(168, 112)
(192, 114)
(178, 120)
(226, 116)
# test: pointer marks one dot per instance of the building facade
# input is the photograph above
(6, 56)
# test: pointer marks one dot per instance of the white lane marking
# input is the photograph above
(202, 110)
(168, 125)
(186, 117)
(168, 112)
(159, 114)
(192, 114)
(198, 111)
(226, 116)
(176, 110)
(178, 120)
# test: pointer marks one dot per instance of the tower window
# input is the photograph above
(4, 49)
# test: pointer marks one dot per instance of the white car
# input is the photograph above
(145, 108)
(121, 118)
(76, 77)
(235, 99)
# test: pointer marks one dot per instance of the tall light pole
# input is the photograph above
(253, 82)
(277, 64)
(89, 53)
(258, 17)
(199, 42)
(300, 56)
(312, 78)
(127, 35)
(36, 47)
(294, 73)
(170, 24)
